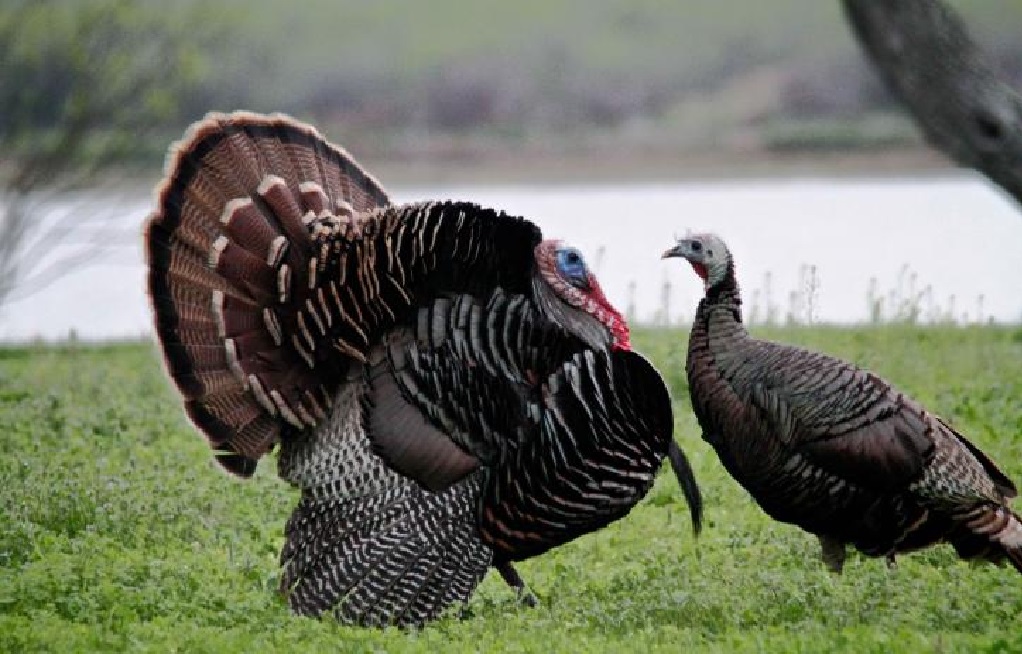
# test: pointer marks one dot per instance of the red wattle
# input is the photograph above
(622, 337)
(617, 324)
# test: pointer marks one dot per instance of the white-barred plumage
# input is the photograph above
(407, 361)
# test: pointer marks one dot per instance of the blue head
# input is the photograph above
(564, 270)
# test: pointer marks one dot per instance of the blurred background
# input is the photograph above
(612, 124)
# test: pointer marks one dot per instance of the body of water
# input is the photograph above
(951, 246)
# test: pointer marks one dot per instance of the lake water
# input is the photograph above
(953, 243)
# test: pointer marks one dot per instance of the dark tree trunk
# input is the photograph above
(923, 51)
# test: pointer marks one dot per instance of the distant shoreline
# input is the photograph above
(627, 166)
(522, 166)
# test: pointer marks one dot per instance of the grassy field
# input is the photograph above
(118, 533)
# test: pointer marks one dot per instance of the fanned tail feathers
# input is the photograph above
(229, 250)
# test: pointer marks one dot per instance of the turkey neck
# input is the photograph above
(716, 361)
(715, 345)
(720, 311)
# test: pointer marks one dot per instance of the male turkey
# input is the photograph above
(448, 390)
(834, 449)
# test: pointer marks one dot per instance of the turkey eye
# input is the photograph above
(570, 262)
(572, 268)
(696, 246)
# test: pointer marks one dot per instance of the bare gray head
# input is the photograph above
(708, 255)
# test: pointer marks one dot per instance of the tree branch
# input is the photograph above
(922, 50)
(109, 73)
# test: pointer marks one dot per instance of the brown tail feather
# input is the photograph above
(229, 251)
(1004, 485)
(1006, 530)
(990, 532)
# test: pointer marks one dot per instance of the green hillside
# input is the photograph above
(460, 78)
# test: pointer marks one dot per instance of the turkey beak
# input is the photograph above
(676, 251)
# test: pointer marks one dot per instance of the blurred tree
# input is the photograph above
(923, 51)
(84, 84)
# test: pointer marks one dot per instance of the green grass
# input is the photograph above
(118, 533)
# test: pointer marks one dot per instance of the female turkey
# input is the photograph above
(448, 390)
(834, 449)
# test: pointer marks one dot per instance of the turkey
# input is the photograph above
(834, 449)
(448, 391)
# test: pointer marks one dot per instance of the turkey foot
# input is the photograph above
(514, 580)
(832, 551)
